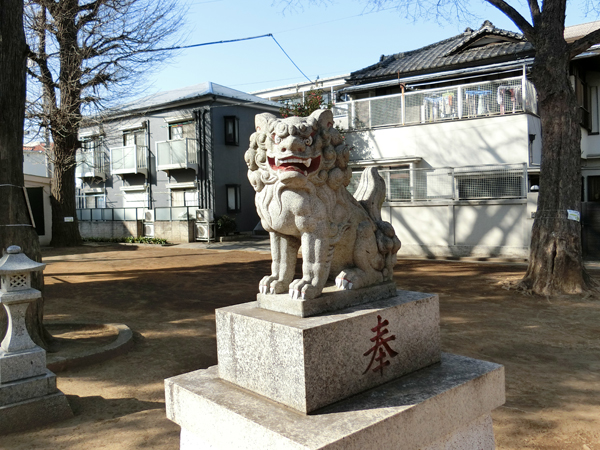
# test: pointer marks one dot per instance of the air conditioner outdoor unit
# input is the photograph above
(204, 231)
(149, 229)
(204, 215)
(149, 216)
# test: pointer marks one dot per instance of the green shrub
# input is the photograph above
(129, 240)
(225, 225)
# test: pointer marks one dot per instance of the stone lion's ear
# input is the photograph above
(262, 120)
(324, 117)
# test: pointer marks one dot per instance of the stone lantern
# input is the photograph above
(28, 393)
(20, 357)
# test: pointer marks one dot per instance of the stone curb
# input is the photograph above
(121, 345)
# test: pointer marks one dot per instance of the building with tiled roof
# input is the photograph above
(485, 46)
(454, 129)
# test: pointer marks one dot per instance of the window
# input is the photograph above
(353, 186)
(232, 135)
(90, 143)
(489, 186)
(398, 184)
(134, 137)
(184, 197)
(90, 158)
(94, 201)
(234, 198)
(583, 97)
(593, 189)
(182, 130)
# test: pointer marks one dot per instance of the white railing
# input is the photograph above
(506, 96)
(176, 154)
(485, 182)
(129, 159)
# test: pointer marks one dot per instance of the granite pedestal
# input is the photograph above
(445, 406)
(308, 363)
(367, 376)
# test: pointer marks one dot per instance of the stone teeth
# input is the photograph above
(307, 162)
(277, 162)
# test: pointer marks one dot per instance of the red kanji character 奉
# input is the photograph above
(381, 346)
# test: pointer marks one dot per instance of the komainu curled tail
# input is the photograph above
(371, 267)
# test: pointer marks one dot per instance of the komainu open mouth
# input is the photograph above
(296, 164)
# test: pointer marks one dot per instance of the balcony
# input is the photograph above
(467, 101)
(90, 164)
(177, 154)
(129, 160)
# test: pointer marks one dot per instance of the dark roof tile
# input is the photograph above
(448, 54)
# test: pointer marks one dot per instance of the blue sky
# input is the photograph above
(324, 40)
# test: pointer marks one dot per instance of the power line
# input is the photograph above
(181, 47)
(284, 52)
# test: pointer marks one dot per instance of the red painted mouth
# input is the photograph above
(296, 164)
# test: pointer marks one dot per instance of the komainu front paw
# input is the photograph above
(271, 285)
(303, 289)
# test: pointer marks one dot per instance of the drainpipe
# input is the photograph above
(198, 118)
(524, 88)
(403, 106)
(206, 169)
(148, 164)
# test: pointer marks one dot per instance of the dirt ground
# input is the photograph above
(167, 295)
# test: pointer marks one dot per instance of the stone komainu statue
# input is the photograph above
(299, 169)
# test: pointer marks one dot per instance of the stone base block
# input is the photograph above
(35, 412)
(332, 299)
(19, 365)
(20, 390)
(308, 363)
(444, 406)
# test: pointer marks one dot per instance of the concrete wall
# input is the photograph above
(492, 140)
(110, 229)
(463, 228)
(176, 232)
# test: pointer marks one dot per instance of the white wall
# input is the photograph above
(463, 228)
(35, 163)
(494, 140)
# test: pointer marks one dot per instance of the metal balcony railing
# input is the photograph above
(486, 182)
(177, 154)
(129, 159)
(492, 98)
(90, 164)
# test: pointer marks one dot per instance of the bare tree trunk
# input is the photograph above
(64, 233)
(15, 223)
(555, 263)
(65, 128)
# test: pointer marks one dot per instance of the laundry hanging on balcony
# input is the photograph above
(515, 97)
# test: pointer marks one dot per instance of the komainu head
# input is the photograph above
(297, 151)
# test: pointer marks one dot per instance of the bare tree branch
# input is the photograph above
(582, 44)
(516, 17)
(534, 8)
(87, 54)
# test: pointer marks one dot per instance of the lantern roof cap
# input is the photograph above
(14, 261)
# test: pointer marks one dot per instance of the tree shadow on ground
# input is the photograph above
(549, 346)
